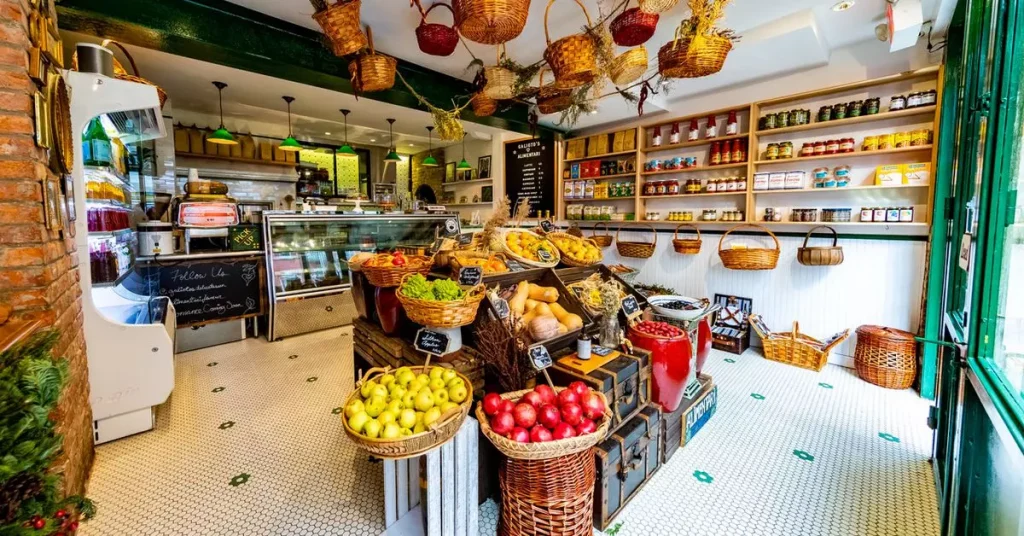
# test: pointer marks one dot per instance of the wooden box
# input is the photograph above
(682, 425)
(625, 462)
(731, 332)
(625, 380)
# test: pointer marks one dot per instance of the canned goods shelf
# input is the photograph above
(855, 154)
(882, 116)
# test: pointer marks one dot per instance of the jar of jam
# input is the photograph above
(914, 100)
(786, 149)
(846, 145)
(929, 98)
(897, 102)
(661, 187)
(825, 113)
(672, 187)
(794, 117)
(839, 111)
(769, 121)
(870, 143)
(716, 154)
(832, 147)
(871, 106)
(855, 109)
(732, 185)
(712, 186)
(819, 148)
(807, 149)
(742, 183)
(772, 153)
(867, 214)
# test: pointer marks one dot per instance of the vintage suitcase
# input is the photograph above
(680, 426)
(625, 380)
(625, 461)
(731, 332)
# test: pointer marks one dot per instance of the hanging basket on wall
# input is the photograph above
(573, 59)
(434, 38)
(550, 98)
(749, 258)
(627, 67)
(484, 106)
(341, 26)
(633, 27)
(491, 22)
(372, 72)
(500, 81)
(820, 256)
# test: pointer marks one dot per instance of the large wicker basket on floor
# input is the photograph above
(442, 314)
(542, 451)
(417, 444)
(795, 348)
(391, 276)
(886, 357)
(749, 258)
(553, 497)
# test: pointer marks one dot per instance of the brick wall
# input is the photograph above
(38, 266)
(430, 176)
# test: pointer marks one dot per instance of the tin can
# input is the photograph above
(919, 137)
(901, 140)
(870, 143)
(885, 142)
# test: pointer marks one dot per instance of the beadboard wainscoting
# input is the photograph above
(880, 282)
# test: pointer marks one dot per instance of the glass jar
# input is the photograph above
(732, 185)
(907, 215)
(825, 113)
(807, 149)
(832, 147)
(609, 331)
(892, 215)
(846, 145)
(879, 214)
(794, 117)
(897, 102)
(673, 187)
(648, 188)
(772, 153)
(782, 119)
(739, 151)
(660, 188)
(769, 122)
(742, 180)
(712, 186)
(867, 214)
(914, 100)
(839, 111)
(716, 154)
(769, 214)
(786, 149)
(841, 175)
(929, 98)
(855, 109)
(819, 148)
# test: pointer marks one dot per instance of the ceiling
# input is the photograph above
(778, 36)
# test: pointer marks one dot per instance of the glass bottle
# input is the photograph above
(96, 145)
(732, 127)
(694, 133)
(674, 136)
(711, 131)
(609, 334)
(656, 139)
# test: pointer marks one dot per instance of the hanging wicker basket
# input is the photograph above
(552, 99)
(121, 74)
(500, 81)
(749, 258)
(687, 246)
(636, 250)
(602, 240)
(484, 106)
(434, 38)
(372, 72)
(572, 59)
(657, 6)
(820, 256)
(491, 22)
(633, 27)
(340, 23)
(627, 67)
(693, 57)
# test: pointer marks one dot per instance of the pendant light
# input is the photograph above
(346, 150)
(392, 154)
(290, 143)
(463, 165)
(430, 161)
(221, 136)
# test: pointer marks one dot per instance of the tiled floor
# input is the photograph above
(789, 452)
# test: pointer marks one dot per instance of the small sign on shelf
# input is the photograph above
(540, 358)
(544, 256)
(465, 239)
(471, 275)
(431, 342)
(501, 307)
(631, 308)
(547, 226)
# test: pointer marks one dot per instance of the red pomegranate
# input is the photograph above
(533, 398)
(579, 388)
(572, 414)
(549, 416)
(539, 434)
(564, 431)
(520, 435)
(503, 423)
(586, 426)
(525, 415)
(593, 406)
(546, 393)
(568, 396)
(492, 403)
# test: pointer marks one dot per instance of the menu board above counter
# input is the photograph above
(530, 173)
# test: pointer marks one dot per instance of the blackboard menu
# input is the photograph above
(530, 173)
(211, 290)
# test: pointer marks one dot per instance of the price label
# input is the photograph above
(601, 351)
(465, 239)
(435, 208)
(630, 307)
(540, 358)
(436, 246)
(547, 226)
(544, 256)
(431, 342)
(514, 266)
(501, 307)
(471, 275)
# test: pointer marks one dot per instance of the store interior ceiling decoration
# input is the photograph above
(346, 149)
(290, 143)
(221, 136)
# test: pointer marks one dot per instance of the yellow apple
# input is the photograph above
(353, 407)
(376, 405)
(436, 372)
(407, 419)
(391, 431)
(424, 400)
(431, 416)
(367, 388)
(358, 421)
(372, 428)
(395, 406)
(386, 379)
(437, 383)
(449, 375)
(387, 417)
(448, 406)
(440, 397)
(458, 394)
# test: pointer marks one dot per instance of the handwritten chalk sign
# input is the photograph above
(540, 358)
(547, 226)
(630, 308)
(544, 256)
(501, 307)
(207, 291)
(431, 342)
(465, 239)
(514, 266)
(471, 275)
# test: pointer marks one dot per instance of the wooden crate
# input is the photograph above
(691, 416)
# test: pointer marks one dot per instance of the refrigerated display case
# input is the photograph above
(307, 261)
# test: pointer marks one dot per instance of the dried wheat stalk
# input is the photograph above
(502, 352)
(489, 237)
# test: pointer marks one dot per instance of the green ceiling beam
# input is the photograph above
(219, 32)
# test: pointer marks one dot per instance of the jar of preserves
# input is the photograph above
(914, 100)
(819, 148)
(871, 106)
(929, 98)
(786, 149)
(867, 214)
(846, 145)
(772, 153)
(855, 109)
(716, 154)
(870, 143)
(739, 151)
(660, 188)
(879, 214)
(839, 111)
(712, 186)
(648, 188)
(769, 214)
(794, 117)
(832, 147)
(672, 187)
(782, 119)
(742, 181)
(885, 142)
(733, 185)
(807, 149)
(906, 214)
(897, 102)
(769, 122)
(892, 215)
(825, 113)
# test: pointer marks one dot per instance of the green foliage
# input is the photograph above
(614, 529)
(31, 383)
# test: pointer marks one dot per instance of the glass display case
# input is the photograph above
(308, 254)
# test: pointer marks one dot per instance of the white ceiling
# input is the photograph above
(778, 36)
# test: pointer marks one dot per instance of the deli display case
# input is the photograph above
(307, 261)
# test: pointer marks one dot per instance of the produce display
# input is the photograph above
(417, 286)
(490, 264)
(528, 245)
(537, 308)
(404, 403)
(658, 329)
(541, 415)
(577, 249)
(387, 260)
(589, 292)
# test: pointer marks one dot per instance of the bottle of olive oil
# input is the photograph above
(96, 145)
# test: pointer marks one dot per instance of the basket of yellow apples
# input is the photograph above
(576, 251)
(407, 412)
(531, 249)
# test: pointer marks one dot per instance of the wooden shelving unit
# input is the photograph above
(844, 156)
(236, 160)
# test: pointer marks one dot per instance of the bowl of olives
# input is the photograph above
(679, 307)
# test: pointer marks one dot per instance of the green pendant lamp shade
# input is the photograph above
(392, 154)
(290, 143)
(430, 161)
(463, 164)
(221, 136)
(346, 150)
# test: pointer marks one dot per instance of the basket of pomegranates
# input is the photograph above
(542, 423)
(388, 269)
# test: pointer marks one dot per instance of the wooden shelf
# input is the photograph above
(697, 143)
(843, 189)
(702, 194)
(703, 115)
(855, 154)
(474, 181)
(238, 160)
(694, 169)
(468, 204)
(601, 200)
(914, 225)
(927, 72)
(600, 156)
(881, 116)
(605, 177)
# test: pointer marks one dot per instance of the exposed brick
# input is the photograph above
(14, 12)
(16, 80)
(21, 191)
(16, 257)
(21, 213)
(21, 234)
(13, 33)
(17, 124)
(20, 169)
(24, 278)
(23, 146)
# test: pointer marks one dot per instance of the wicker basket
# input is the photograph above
(523, 260)
(820, 256)
(795, 348)
(434, 38)
(886, 357)
(627, 67)
(602, 240)
(693, 57)
(391, 276)
(443, 314)
(484, 106)
(657, 6)
(417, 444)
(340, 23)
(491, 22)
(372, 72)
(457, 258)
(575, 230)
(566, 259)
(552, 497)
(500, 81)
(633, 27)
(572, 59)
(636, 250)
(542, 451)
(121, 74)
(550, 98)
(687, 246)
(749, 258)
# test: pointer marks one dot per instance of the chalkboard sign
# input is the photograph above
(211, 290)
(630, 307)
(547, 226)
(431, 342)
(544, 256)
(540, 357)
(514, 266)
(471, 275)
(530, 173)
(465, 239)
(501, 307)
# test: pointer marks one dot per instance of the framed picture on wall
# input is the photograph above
(52, 203)
(484, 166)
(487, 194)
(449, 172)
(466, 175)
(69, 198)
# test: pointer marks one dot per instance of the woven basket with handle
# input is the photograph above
(542, 451)
(500, 81)
(886, 357)
(627, 67)
(572, 59)
(437, 434)
(687, 246)
(550, 98)
(529, 262)
(548, 497)
(391, 276)
(568, 260)
(749, 258)
(491, 22)
(442, 314)
(121, 74)
(820, 256)
(340, 23)
(636, 250)
(602, 240)
(372, 72)
(434, 38)
(795, 348)
(693, 57)
(633, 27)
(657, 6)
(484, 106)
